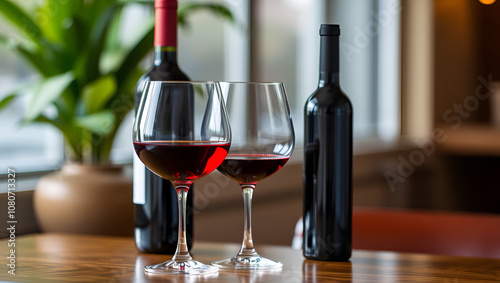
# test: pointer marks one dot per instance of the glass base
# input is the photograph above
(248, 262)
(181, 267)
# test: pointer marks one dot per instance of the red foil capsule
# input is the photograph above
(165, 23)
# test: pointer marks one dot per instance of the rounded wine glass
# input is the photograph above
(262, 142)
(181, 133)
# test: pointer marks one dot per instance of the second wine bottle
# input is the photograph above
(328, 160)
(155, 200)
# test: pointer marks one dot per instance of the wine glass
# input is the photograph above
(181, 133)
(262, 142)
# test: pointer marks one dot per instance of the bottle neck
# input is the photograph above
(165, 54)
(329, 60)
(328, 78)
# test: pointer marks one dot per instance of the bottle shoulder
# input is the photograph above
(161, 72)
(328, 97)
(165, 72)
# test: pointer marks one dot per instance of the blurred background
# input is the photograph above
(421, 76)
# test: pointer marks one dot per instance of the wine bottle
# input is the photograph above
(328, 160)
(155, 199)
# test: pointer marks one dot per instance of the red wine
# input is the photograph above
(328, 160)
(181, 162)
(155, 200)
(251, 168)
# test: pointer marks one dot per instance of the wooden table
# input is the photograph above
(80, 258)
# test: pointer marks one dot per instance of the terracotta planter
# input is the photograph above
(88, 199)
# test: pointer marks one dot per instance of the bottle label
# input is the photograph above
(139, 181)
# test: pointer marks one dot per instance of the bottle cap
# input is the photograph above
(172, 4)
(329, 29)
(165, 23)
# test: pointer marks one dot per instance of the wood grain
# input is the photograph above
(86, 258)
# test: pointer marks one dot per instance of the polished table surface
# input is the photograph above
(87, 258)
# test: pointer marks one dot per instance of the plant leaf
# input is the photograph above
(43, 119)
(7, 42)
(46, 52)
(7, 100)
(19, 18)
(47, 92)
(113, 40)
(96, 94)
(45, 68)
(185, 10)
(88, 62)
(56, 16)
(30, 55)
(123, 101)
(74, 37)
(95, 8)
(98, 123)
(19, 90)
(117, 51)
(135, 55)
(70, 134)
(60, 23)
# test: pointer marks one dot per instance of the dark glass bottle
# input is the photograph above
(155, 199)
(328, 160)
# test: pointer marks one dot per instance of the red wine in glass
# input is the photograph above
(262, 141)
(251, 168)
(181, 154)
(181, 161)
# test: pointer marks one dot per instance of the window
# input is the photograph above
(23, 147)
(288, 50)
(266, 45)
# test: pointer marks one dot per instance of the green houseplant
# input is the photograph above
(86, 73)
(84, 88)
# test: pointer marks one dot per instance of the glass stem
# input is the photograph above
(182, 252)
(247, 248)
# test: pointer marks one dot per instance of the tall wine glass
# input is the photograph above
(262, 142)
(181, 133)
